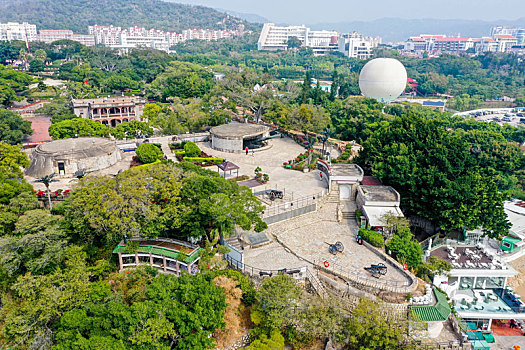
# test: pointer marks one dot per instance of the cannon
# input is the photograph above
(338, 247)
(380, 267)
(273, 194)
(374, 271)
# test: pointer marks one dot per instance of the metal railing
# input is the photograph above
(255, 271)
(360, 277)
(293, 204)
(316, 284)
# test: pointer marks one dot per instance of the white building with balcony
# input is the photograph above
(356, 45)
(275, 37)
(17, 31)
(477, 284)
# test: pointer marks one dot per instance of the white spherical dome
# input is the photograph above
(383, 79)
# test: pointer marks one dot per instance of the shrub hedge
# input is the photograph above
(148, 153)
(374, 238)
(191, 149)
(202, 159)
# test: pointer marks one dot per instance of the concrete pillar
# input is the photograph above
(120, 261)
(490, 324)
(189, 268)
(151, 259)
(177, 267)
(136, 258)
(120, 109)
(164, 263)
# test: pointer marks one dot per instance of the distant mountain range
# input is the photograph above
(77, 15)
(398, 29)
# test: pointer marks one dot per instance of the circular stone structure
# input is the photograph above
(235, 137)
(67, 156)
(383, 79)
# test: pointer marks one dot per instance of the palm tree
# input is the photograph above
(326, 135)
(46, 180)
(311, 143)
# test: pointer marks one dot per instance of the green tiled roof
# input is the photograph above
(438, 312)
(169, 253)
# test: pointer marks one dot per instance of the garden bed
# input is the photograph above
(55, 195)
(203, 160)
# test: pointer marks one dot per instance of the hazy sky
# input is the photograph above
(315, 11)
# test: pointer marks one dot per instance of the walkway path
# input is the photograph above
(271, 162)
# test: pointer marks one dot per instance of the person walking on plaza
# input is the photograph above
(246, 149)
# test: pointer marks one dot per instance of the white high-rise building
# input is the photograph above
(17, 31)
(276, 38)
(356, 46)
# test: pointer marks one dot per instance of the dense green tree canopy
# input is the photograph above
(13, 129)
(175, 313)
(78, 127)
(155, 200)
(12, 181)
(184, 80)
(437, 174)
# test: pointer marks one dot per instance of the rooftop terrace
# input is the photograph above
(469, 258)
(347, 170)
(378, 193)
(182, 251)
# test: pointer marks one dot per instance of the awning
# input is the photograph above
(375, 214)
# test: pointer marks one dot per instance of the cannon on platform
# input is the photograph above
(273, 194)
(338, 247)
(377, 270)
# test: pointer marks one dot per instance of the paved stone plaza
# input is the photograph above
(272, 256)
(307, 237)
(271, 162)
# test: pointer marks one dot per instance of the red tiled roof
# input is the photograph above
(453, 39)
(371, 181)
(503, 36)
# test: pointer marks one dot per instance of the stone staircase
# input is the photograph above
(349, 215)
(167, 151)
(234, 242)
(333, 197)
(316, 284)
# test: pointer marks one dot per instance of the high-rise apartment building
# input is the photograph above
(356, 46)
(500, 41)
(141, 37)
(17, 31)
(50, 35)
(276, 38)
(320, 41)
